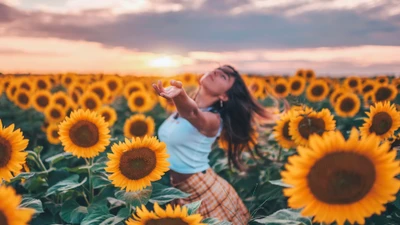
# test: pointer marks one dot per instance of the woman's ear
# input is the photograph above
(224, 97)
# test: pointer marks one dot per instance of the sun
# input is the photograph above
(163, 62)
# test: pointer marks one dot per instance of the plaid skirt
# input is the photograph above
(219, 198)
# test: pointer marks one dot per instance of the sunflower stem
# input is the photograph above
(278, 158)
(91, 192)
(84, 196)
(129, 207)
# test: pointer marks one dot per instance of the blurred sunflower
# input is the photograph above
(317, 90)
(101, 90)
(300, 73)
(23, 99)
(90, 100)
(189, 79)
(256, 87)
(26, 84)
(42, 83)
(309, 75)
(383, 120)
(296, 85)
(347, 105)
(10, 211)
(384, 92)
(170, 216)
(281, 130)
(11, 90)
(54, 113)
(135, 163)
(281, 88)
(140, 102)
(68, 79)
(334, 178)
(223, 144)
(75, 97)
(41, 99)
(168, 105)
(52, 134)
(310, 122)
(133, 86)
(353, 83)
(382, 79)
(139, 125)
(61, 98)
(114, 84)
(84, 134)
(368, 86)
(12, 146)
(109, 114)
(336, 94)
(396, 84)
(75, 86)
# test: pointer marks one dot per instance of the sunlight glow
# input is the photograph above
(164, 61)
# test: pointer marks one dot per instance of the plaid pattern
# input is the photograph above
(219, 198)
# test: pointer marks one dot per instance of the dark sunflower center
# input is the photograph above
(285, 131)
(42, 101)
(296, 85)
(54, 133)
(311, 125)
(84, 134)
(139, 101)
(383, 94)
(280, 88)
(55, 113)
(99, 92)
(90, 103)
(138, 128)
(341, 178)
(367, 88)
(317, 90)
(25, 86)
(61, 101)
(353, 83)
(381, 123)
(112, 85)
(23, 98)
(347, 105)
(187, 78)
(106, 116)
(381, 80)
(3, 219)
(254, 87)
(41, 84)
(336, 97)
(74, 97)
(13, 90)
(133, 89)
(137, 163)
(398, 86)
(309, 74)
(68, 80)
(5, 153)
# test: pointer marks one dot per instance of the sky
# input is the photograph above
(332, 37)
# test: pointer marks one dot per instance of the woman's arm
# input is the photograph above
(206, 122)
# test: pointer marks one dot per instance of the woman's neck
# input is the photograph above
(204, 100)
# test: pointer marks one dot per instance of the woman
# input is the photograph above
(223, 106)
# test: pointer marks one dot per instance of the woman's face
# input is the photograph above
(217, 82)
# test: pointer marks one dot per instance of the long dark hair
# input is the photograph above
(238, 115)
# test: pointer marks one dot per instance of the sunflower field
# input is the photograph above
(83, 149)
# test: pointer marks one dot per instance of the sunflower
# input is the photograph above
(133, 86)
(139, 126)
(368, 86)
(177, 216)
(11, 90)
(62, 99)
(23, 99)
(54, 113)
(309, 75)
(68, 79)
(1, 87)
(189, 79)
(382, 79)
(383, 120)
(318, 90)
(136, 163)
(12, 145)
(281, 88)
(336, 94)
(337, 180)
(223, 144)
(256, 87)
(26, 84)
(101, 90)
(140, 102)
(76, 86)
(90, 100)
(114, 84)
(347, 105)
(309, 122)
(384, 92)
(42, 83)
(74, 96)
(281, 130)
(300, 73)
(10, 212)
(353, 83)
(41, 99)
(396, 84)
(84, 134)
(168, 105)
(109, 114)
(52, 134)
(296, 85)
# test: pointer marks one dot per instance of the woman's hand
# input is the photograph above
(169, 92)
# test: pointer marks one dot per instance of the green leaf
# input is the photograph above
(285, 217)
(163, 194)
(135, 198)
(122, 215)
(193, 207)
(38, 149)
(23, 175)
(56, 158)
(97, 213)
(36, 204)
(65, 185)
(100, 181)
(211, 221)
(98, 167)
(72, 212)
(279, 183)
